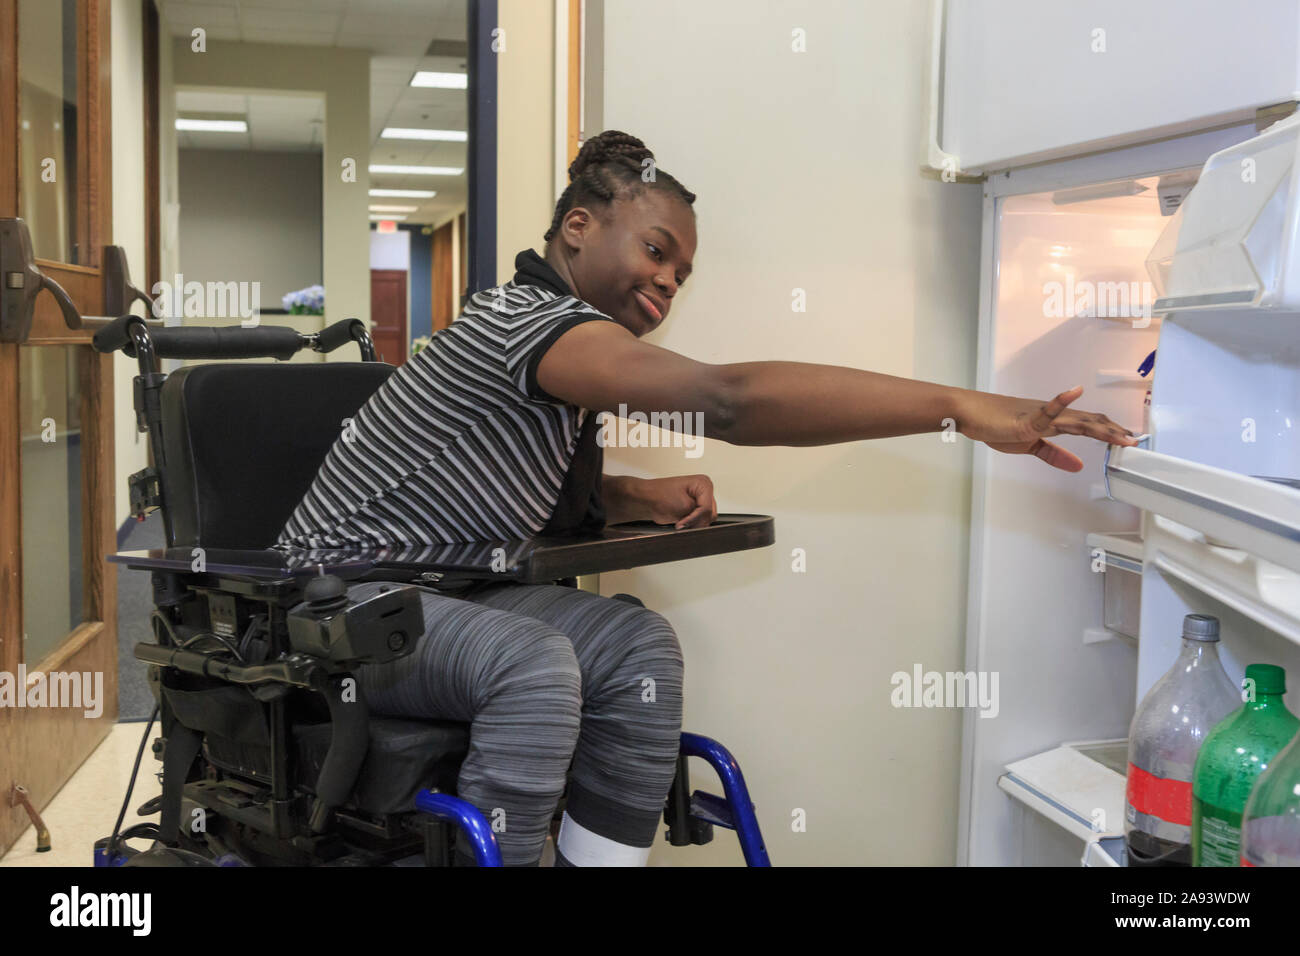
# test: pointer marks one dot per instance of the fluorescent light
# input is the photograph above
(443, 81)
(419, 170)
(405, 193)
(380, 215)
(1064, 197)
(212, 126)
(394, 208)
(445, 135)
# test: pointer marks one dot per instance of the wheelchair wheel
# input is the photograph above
(167, 856)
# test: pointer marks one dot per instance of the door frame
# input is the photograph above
(41, 748)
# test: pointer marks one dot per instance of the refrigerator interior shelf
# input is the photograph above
(1075, 785)
(1119, 376)
(1230, 509)
(1262, 591)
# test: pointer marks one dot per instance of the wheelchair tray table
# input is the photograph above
(539, 560)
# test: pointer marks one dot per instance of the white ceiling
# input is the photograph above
(276, 121)
(398, 34)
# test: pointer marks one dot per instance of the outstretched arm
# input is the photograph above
(797, 403)
(603, 367)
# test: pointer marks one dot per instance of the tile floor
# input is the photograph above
(87, 806)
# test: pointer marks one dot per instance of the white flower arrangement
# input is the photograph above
(308, 301)
(419, 343)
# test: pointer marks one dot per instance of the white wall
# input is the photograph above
(806, 170)
(251, 216)
(390, 250)
(126, 45)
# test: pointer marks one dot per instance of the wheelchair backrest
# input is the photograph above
(243, 442)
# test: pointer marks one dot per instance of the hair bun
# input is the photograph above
(610, 145)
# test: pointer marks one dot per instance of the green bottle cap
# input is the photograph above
(1268, 678)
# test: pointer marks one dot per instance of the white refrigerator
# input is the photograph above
(1141, 193)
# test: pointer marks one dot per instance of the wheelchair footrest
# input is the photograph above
(712, 809)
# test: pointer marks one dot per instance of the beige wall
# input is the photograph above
(806, 170)
(252, 216)
(525, 129)
(343, 76)
(127, 39)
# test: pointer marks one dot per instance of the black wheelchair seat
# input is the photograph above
(243, 442)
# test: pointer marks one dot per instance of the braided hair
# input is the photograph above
(612, 166)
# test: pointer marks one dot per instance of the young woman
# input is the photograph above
(489, 433)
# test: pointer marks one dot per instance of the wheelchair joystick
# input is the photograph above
(326, 594)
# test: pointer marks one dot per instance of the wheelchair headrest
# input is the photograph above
(243, 442)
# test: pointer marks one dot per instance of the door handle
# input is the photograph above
(21, 281)
(120, 293)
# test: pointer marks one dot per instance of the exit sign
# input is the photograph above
(387, 225)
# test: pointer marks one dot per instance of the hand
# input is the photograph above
(685, 501)
(1019, 426)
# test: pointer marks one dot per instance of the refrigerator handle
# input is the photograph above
(935, 157)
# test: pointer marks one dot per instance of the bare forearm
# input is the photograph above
(621, 498)
(799, 403)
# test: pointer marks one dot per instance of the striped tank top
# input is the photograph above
(460, 443)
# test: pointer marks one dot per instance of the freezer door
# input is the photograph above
(1022, 81)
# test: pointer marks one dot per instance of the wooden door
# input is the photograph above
(58, 597)
(462, 240)
(444, 296)
(388, 314)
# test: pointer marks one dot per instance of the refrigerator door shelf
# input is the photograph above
(1072, 789)
(1108, 851)
(1239, 511)
(1230, 245)
(1262, 591)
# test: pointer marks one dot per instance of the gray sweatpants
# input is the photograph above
(546, 675)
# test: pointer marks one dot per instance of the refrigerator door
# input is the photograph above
(1015, 82)
(1060, 241)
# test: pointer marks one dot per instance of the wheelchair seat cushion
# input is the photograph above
(242, 443)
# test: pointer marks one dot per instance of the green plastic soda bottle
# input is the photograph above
(1234, 754)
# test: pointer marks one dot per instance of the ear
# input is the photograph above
(576, 227)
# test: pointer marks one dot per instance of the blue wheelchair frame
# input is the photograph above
(734, 811)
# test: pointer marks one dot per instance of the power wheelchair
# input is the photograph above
(267, 759)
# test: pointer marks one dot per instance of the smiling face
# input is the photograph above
(630, 261)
